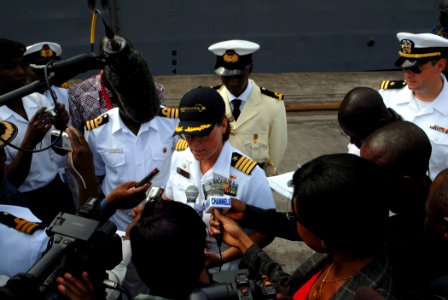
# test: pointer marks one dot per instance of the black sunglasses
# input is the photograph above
(414, 69)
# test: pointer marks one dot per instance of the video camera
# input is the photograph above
(233, 284)
(82, 242)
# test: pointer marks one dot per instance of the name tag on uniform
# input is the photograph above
(183, 173)
(116, 150)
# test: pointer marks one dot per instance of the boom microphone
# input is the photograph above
(59, 72)
(68, 68)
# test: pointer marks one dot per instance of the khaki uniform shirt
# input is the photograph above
(261, 129)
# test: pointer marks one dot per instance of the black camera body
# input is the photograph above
(233, 284)
(78, 243)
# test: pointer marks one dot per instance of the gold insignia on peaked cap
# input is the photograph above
(416, 49)
(8, 132)
(406, 46)
(243, 163)
(181, 145)
(47, 52)
(233, 57)
(39, 54)
(230, 57)
(97, 122)
(169, 112)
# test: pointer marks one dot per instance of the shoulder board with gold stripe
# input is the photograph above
(392, 84)
(216, 87)
(272, 94)
(169, 112)
(97, 122)
(243, 163)
(19, 224)
(181, 145)
(64, 85)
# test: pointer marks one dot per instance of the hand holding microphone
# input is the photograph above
(217, 200)
(229, 231)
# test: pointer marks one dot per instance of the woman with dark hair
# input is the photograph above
(163, 229)
(340, 202)
(205, 159)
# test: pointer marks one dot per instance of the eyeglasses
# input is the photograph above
(419, 69)
(189, 137)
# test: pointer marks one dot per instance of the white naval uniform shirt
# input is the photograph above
(43, 167)
(243, 97)
(252, 189)
(353, 149)
(61, 96)
(433, 119)
(121, 156)
(20, 251)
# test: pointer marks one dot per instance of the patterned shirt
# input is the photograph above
(91, 98)
(376, 275)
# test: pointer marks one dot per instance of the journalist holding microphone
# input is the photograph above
(204, 158)
(340, 204)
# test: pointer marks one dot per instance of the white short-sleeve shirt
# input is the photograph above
(433, 119)
(250, 188)
(20, 251)
(121, 156)
(44, 166)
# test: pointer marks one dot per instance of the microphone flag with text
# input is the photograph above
(217, 200)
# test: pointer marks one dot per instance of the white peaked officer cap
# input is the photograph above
(419, 48)
(233, 57)
(39, 54)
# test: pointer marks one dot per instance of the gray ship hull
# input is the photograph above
(295, 36)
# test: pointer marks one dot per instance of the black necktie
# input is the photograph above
(236, 108)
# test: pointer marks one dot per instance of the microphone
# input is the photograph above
(119, 56)
(59, 72)
(68, 68)
(366, 293)
(217, 200)
(192, 193)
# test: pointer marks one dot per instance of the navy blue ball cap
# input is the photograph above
(199, 110)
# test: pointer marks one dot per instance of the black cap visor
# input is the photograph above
(403, 62)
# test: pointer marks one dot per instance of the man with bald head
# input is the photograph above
(436, 221)
(361, 112)
(404, 150)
